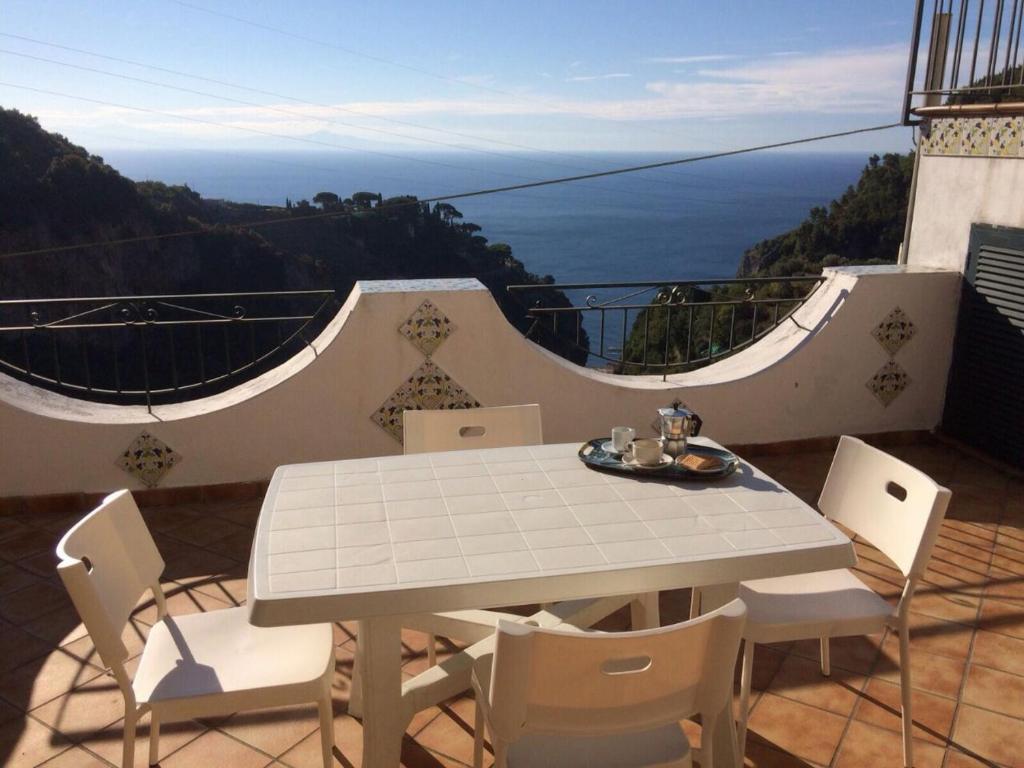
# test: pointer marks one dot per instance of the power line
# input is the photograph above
(464, 195)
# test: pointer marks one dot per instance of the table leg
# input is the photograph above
(380, 644)
(644, 612)
(716, 595)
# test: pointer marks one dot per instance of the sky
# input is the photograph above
(593, 75)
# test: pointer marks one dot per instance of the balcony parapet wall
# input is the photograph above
(825, 371)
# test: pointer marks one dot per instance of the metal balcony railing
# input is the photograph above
(663, 327)
(155, 349)
(972, 54)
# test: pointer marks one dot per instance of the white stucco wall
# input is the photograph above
(954, 192)
(807, 379)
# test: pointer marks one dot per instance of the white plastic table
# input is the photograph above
(377, 539)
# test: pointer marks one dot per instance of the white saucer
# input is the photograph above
(608, 447)
(666, 461)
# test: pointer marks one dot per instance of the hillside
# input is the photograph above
(56, 194)
(863, 226)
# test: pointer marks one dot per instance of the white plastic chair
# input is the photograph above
(896, 508)
(201, 665)
(552, 697)
(469, 428)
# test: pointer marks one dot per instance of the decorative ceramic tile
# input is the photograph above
(427, 328)
(414, 286)
(888, 382)
(428, 388)
(975, 137)
(943, 137)
(148, 458)
(1004, 136)
(894, 331)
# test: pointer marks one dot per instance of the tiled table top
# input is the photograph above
(441, 531)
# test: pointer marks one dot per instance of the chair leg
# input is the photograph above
(826, 660)
(432, 650)
(478, 737)
(694, 602)
(154, 738)
(746, 680)
(355, 693)
(327, 728)
(905, 693)
(128, 753)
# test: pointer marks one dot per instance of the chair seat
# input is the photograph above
(221, 653)
(824, 604)
(665, 746)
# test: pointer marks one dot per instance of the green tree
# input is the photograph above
(326, 200)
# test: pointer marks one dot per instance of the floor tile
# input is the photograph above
(32, 601)
(85, 710)
(928, 671)
(999, 652)
(801, 679)
(76, 757)
(34, 683)
(108, 742)
(856, 654)
(804, 731)
(865, 745)
(214, 748)
(13, 578)
(273, 731)
(995, 690)
(1002, 617)
(880, 705)
(26, 742)
(991, 735)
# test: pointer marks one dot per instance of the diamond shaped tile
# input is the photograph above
(888, 382)
(428, 388)
(427, 328)
(894, 331)
(148, 458)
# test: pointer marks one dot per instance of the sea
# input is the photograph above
(689, 222)
(686, 222)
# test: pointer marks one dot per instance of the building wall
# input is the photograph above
(971, 171)
(821, 373)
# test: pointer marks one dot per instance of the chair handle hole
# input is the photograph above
(472, 431)
(627, 666)
(896, 490)
(87, 563)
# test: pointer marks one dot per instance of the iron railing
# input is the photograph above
(665, 326)
(973, 55)
(155, 349)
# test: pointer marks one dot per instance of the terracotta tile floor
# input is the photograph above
(58, 707)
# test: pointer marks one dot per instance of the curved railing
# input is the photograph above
(663, 327)
(155, 349)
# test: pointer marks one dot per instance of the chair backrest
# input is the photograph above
(468, 428)
(107, 562)
(570, 682)
(896, 507)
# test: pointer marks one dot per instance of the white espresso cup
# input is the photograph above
(621, 438)
(647, 451)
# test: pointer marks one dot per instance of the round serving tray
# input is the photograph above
(593, 455)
